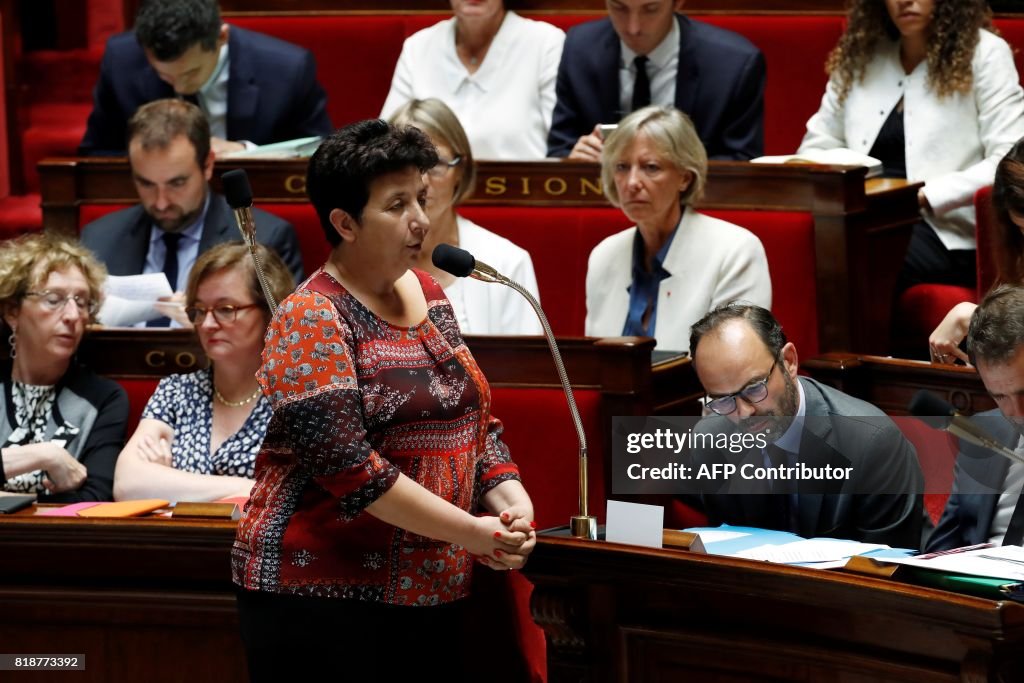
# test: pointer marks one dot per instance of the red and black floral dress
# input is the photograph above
(357, 401)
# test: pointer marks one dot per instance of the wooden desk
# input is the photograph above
(620, 613)
(142, 599)
(861, 230)
(151, 599)
(890, 383)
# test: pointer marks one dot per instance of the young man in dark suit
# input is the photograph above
(178, 217)
(645, 52)
(983, 506)
(253, 88)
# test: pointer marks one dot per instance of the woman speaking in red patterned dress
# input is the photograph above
(361, 530)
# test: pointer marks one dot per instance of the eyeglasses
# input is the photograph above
(753, 393)
(441, 167)
(223, 314)
(54, 301)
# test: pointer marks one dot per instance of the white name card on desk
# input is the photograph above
(634, 523)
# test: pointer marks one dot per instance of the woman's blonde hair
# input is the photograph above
(676, 139)
(236, 255)
(437, 120)
(953, 36)
(27, 261)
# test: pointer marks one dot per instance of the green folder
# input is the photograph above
(979, 586)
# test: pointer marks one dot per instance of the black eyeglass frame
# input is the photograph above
(748, 393)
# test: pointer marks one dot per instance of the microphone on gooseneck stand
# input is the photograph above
(238, 193)
(941, 415)
(461, 263)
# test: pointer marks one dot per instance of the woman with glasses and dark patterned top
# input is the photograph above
(61, 426)
(200, 432)
(480, 307)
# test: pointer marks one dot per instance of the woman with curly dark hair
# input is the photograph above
(927, 88)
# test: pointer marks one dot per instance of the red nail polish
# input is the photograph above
(533, 525)
(497, 553)
(497, 534)
(504, 515)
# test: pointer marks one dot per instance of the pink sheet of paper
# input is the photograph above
(65, 511)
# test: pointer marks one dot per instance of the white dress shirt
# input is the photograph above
(486, 308)
(662, 69)
(506, 105)
(1012, 486)
(213, 95)
(188, 251)
(953, 143)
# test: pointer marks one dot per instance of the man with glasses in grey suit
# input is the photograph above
(848, 470)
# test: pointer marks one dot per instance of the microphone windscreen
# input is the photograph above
(458, 262)
(925, 404)
(237, 190)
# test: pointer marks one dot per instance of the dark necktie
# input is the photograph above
(171, 240)
(192, 99)
(1015, 529)
(784, 491)
(642, 84)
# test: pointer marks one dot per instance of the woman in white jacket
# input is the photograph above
(660, 277)
(927, 88)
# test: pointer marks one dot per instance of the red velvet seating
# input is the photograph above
(922, 307)
(560, 240)
(795, 77)
(356, 55)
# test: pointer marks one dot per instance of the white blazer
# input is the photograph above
(953, 144)
(710, 262)
(485, 308)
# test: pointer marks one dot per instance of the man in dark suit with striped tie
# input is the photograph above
(178, 217)
(984, 506)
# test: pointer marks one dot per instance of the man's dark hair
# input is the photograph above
(168, 28)
(346, 164)
(157, 123)
(760, 319)
(996, 331)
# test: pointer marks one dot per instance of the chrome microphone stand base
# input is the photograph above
(584, 527)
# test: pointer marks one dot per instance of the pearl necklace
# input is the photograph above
(236, 404)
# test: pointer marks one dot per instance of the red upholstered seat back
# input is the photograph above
(87, 213)
(312, 241)
(540, 435)
(355, 56)
(1012, 31)
(985, 232)
(936, 452)
(788, 239)
(795, 49)
(139, 391)
(559, 241)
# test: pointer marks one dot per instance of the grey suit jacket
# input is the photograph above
(879, 504)
(121, 239)
(977, 484)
